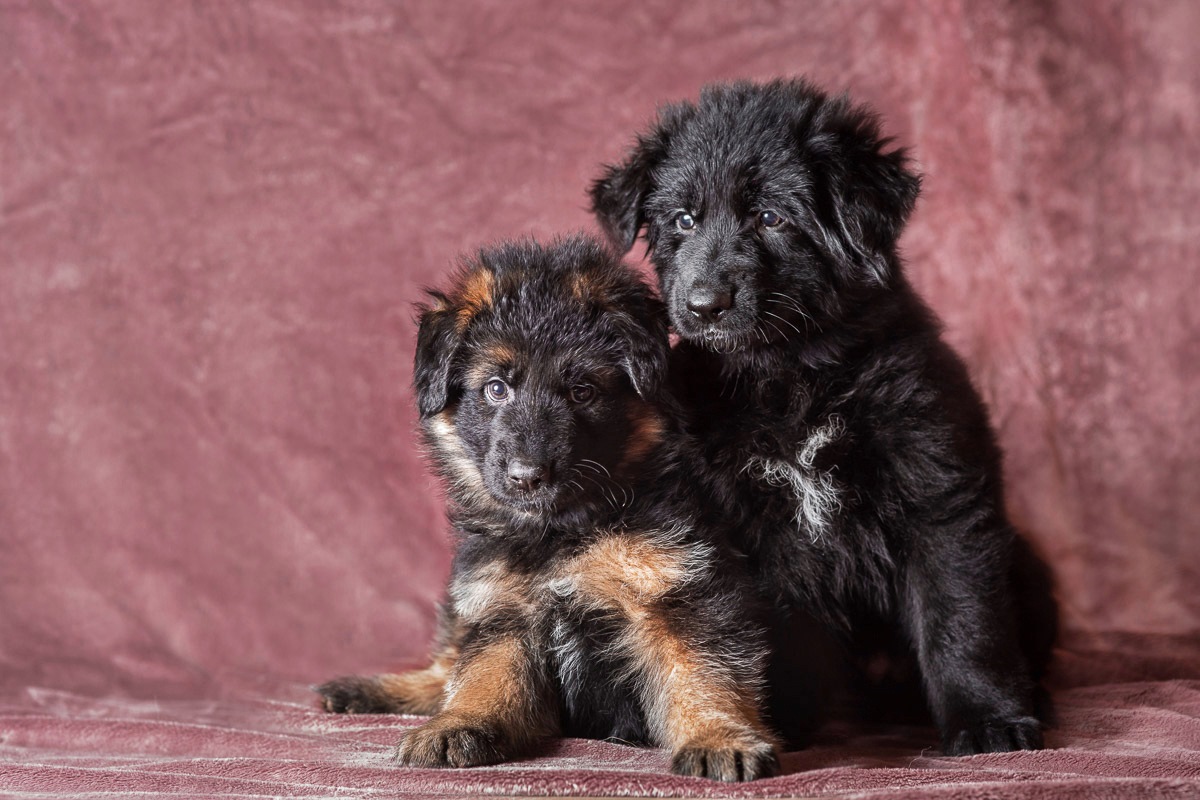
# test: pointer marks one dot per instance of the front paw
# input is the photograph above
(729, 761)
(995, 736)
(354, 694)
(451, 743)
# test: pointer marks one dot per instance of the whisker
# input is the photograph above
(784, 321)
(604, 491)
(598, 464)
(788, 301)
(782, 335)
(806, 318)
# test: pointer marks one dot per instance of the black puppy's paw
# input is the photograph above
(451, 742)
(995, 736)
(354, 694)
(732, 763)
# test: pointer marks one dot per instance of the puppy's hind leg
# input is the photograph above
(416, 692)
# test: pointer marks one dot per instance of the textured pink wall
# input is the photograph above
(214, 218)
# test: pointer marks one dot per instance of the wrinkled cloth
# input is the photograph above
(1122, 739)
(215, 219)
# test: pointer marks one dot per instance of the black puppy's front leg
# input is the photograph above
(959, 612)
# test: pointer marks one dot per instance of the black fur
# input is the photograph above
(584, 586)
(841, 433)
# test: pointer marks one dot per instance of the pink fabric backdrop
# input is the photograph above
(214, 218)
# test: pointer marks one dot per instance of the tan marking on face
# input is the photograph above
(646, 431)
(475, 295)
(500, 353)
(465, 479)
(490, 362)
(449, 447)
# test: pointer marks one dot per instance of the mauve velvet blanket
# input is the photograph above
(214, 219)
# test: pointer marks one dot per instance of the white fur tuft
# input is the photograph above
(816, 493)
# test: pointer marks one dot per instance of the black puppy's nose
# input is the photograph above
(525, 476)
(709, 303)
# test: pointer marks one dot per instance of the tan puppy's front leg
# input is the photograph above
(495, 708)
(708, 719)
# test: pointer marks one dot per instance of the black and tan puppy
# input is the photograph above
(840, 430)
(585, 597)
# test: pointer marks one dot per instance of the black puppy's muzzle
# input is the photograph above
(708, 302)
(711, 295)
(712, 301)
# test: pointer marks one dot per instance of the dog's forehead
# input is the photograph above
(729, 160)
(548, 366)
(548, 338)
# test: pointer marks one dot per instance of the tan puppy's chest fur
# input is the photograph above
(619, 572)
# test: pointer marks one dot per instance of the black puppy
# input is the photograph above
(841, 431)
(585, 597)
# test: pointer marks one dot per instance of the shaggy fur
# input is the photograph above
(587, 597)
(841, 433)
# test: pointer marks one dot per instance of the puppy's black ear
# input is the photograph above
(619, 194)
(871, 193)
(438, 340)
(642, 326)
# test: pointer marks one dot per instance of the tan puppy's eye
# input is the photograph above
(496, 390)
(582, 393)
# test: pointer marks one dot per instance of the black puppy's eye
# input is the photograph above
(770, 219)
(582, 393)
(685, 221)
(496, 390)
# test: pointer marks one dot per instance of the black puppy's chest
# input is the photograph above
(785, 454)
(780, 448)
(792, 476)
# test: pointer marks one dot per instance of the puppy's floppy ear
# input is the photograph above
(642, 327)
(870, 194)
(619, 194)
(438, 340)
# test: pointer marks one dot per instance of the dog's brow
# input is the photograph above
(499, 353)
(497, 359)
(604, 375)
